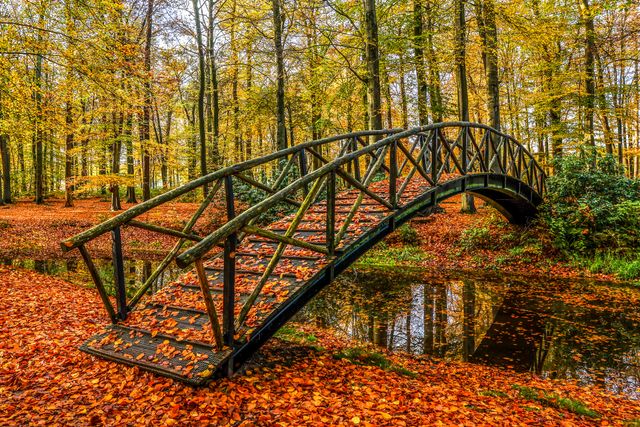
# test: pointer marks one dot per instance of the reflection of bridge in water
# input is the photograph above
(252, 273)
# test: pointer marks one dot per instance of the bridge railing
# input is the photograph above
(281, 167)
(387, 167)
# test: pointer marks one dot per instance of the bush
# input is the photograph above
(591, 206)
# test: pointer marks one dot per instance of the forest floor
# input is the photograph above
(443, 241)
(481, 242)
(306, 377)
(35, 231)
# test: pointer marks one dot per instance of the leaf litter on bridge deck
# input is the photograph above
(46, 380)
(178, 311)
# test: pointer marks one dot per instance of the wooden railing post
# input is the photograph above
(487, 150)
(331, 212)
(393, 174)
(356, 161)
(118, 270)
(303, 168)
(434, 157)
(228, 292)
(465, 147)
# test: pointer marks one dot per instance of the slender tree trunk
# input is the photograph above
(39, 127)
(131, 189)
(5, 163)
(145, 126)
(586, 14)
(6, 167)
(418, 54)
(116, 150)
(201, 93)
(164, 168)
(278, 25)
(215, 93)
(468, 205)
(435, 89)
(68, 159)
(373, 65)
(485, 15)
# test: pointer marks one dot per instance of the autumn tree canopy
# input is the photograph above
(137, 96)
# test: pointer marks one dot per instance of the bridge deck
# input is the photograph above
(171, 333)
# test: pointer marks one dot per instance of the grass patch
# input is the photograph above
(364, 357)
(623, 267)
(389, 257)
(554, 401)
(476, 237)
(493, 393)
(290, 334)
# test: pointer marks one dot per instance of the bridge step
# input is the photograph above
(171, 334)
(188, 361)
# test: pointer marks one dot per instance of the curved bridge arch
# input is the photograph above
(343, 194)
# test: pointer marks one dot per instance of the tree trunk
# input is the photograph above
(485, 15)
(5, 164)
(68, 159)
(278, 24)
(418, 54)
(589, 53)
(201, 92)
(39, 127)
(146, 110)
(435, 90)
(468, 205)
(373, 65)
(215, 94)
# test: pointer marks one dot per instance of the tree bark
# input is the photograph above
(39, 126)
(589, 63)
(373, 66)
(146, 110)
(201, 93)
(278, 24)
(418, 54)
(215, 93)
(468, 205)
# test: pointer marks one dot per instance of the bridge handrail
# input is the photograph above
(438, 156)
(240, 221)
(135, 211)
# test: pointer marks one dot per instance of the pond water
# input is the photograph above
(75, 271)
(574, 329)
(588, 331)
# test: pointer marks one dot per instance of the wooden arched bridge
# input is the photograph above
(336, 197)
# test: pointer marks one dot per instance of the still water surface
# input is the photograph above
(574, 329)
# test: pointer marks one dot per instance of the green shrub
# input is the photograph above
(591, 206)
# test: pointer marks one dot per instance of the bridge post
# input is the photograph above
(303, 168)
(465, 148)
(393, 174)
(331, 212)
(228, 292)
(118, 276)
(434, 157)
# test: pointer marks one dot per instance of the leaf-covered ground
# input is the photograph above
(35, 231)
(297, 380)
(484, 241)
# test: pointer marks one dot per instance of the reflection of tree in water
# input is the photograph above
(404, 311)
(363, 305)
